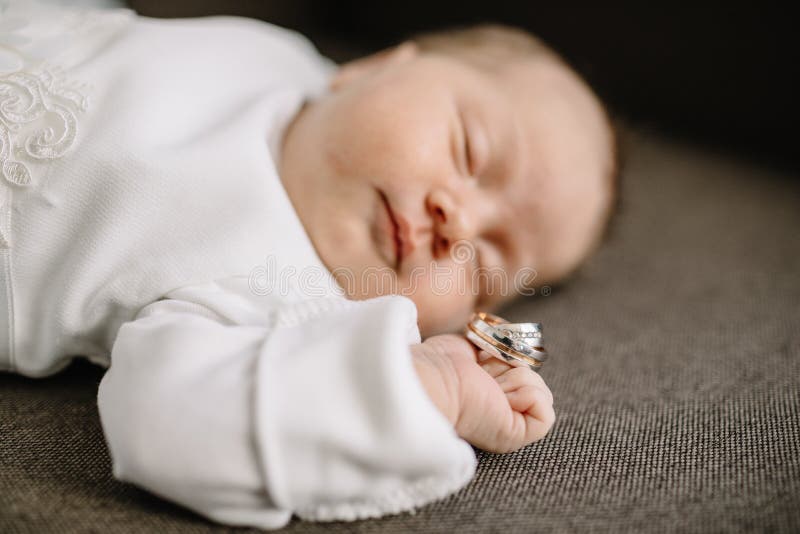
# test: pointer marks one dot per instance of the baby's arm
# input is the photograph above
(247, 413)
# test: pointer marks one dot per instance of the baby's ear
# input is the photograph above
(364, 66)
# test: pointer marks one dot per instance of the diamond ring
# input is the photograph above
(518, 344)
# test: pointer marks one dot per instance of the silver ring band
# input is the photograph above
(480, 326)
(511, 360)
(503, 340)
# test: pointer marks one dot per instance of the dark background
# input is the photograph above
(721, 76)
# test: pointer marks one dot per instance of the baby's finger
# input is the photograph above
(494, 366)
(537, 380)
(522, 376)
(534, 405)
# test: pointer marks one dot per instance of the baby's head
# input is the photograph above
(438, 167)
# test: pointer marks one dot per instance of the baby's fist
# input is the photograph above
(493, 405)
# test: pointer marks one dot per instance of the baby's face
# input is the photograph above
(420, 171)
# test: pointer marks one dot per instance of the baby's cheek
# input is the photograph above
(442, 294)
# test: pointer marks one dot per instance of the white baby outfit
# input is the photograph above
(143, 225)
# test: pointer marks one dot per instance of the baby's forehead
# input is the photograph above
(558, 199)
(533, 88)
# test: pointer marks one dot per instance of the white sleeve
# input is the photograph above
(247, 413)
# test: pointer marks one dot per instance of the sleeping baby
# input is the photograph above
(272, 254)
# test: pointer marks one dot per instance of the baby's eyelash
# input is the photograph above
(466, 147)
(467, 151)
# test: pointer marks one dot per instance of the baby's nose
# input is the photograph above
(451, 219)
(458, 225)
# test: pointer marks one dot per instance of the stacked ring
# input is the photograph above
(518, 344)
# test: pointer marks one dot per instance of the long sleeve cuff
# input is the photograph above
(347, 428)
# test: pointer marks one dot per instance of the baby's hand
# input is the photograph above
(493, 405)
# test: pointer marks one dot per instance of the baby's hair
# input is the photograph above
(492, 42)
(488, 46)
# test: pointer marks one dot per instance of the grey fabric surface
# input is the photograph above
(675, 372)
